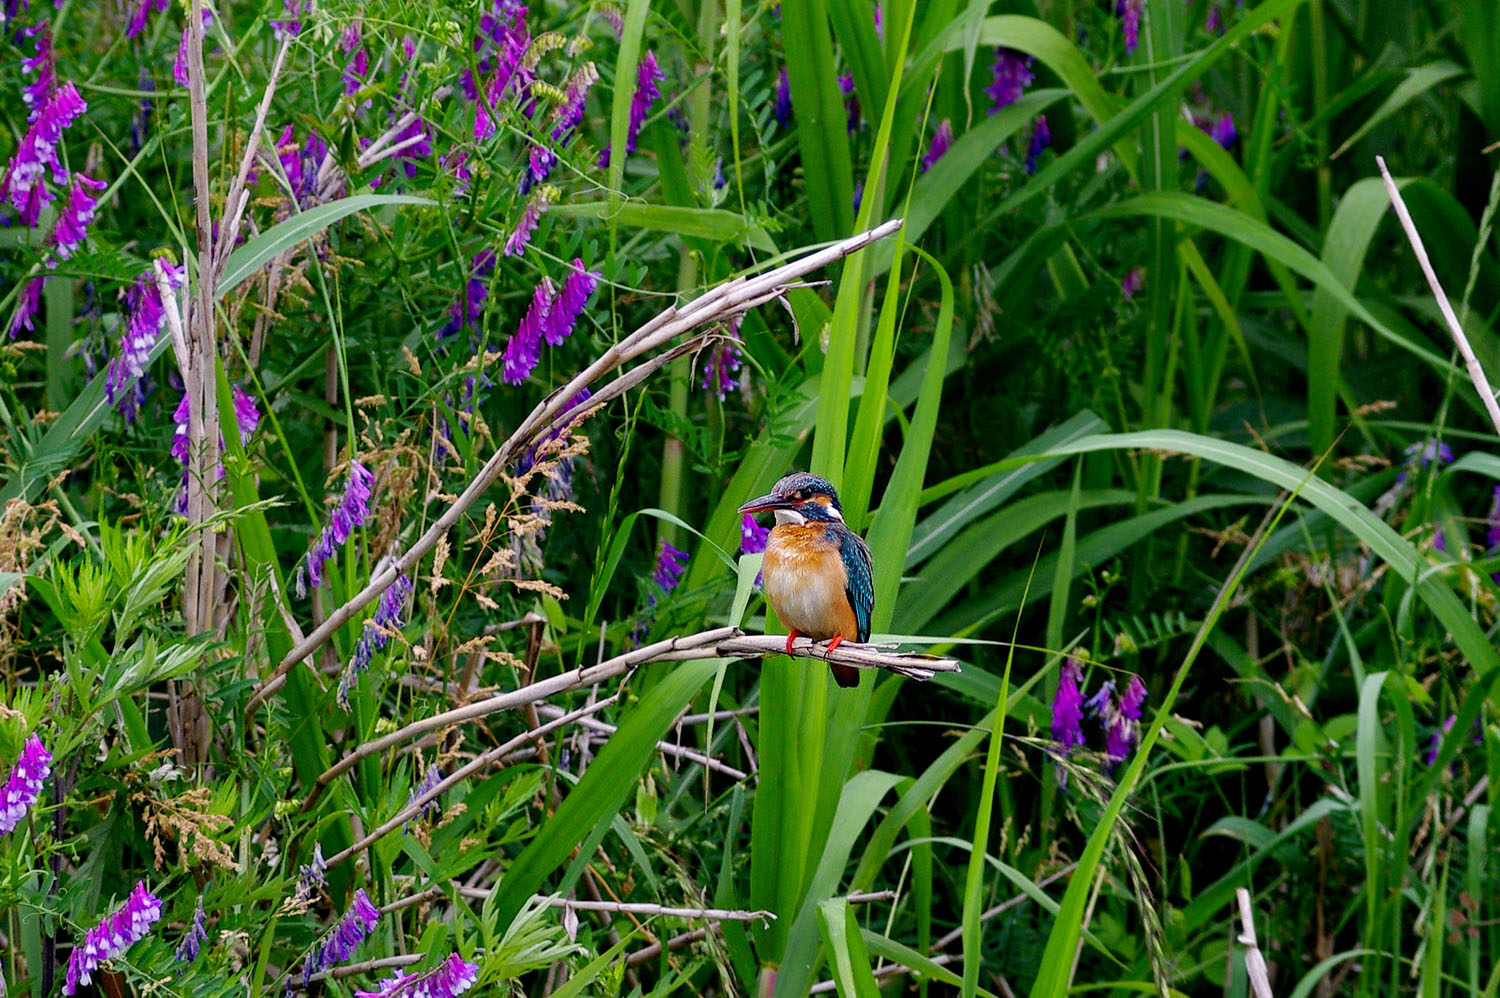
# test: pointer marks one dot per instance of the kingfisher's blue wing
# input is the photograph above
(860, 580)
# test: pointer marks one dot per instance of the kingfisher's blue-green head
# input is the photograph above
(799, 498)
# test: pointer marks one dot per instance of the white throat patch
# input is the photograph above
(790, 516)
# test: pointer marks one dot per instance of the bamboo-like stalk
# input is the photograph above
(719, 304)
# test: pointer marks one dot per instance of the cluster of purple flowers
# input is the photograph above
(783, 106)
(938, 147)
(526, 225)
(376, 634)
(753, 540)
(551, 317)
(1011, 75)
(140, 16)
(113, 936)
(465, 312)
(246, 417)
(1041, 138)
(311, 877)
(145, 300)
(194, 938)
(560, 429)
(724, 361)
(1129, 12)
(448, 979)
(352, 510)
(180, 65)
(1120, 716)
(24, 785)
(647, 75)
(499, 50)
(851, 102)
(347, 934)
(670, 563)
(430, 779)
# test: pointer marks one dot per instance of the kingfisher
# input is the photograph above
(816, 571)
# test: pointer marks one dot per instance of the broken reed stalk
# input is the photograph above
(720, 642)
(1255, 962)
(1476, 372)
(719, 304)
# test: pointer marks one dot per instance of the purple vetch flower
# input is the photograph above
(523, 351)
(1212, 22)
(516, 244)
(43, 64)
(1067, 710)
(647, 75)
(311, 877)
(1011, 72)
(670, 562)
(1129, 12)
(291, 24)
(752, 535)
(1123, 728)
(677, 117)
(347, 934)
(355, 71)
(140, 14)
(1492, 523)
(938, 147)
(37, 152)
(576, 291)
(1437, 739)
(112, 937)
(27, 307)
(465, 312)
(1134, 281)
(376, 634)
(851, 101)
(539, 163)
(352, 510)
(24, 785)
(180, 65)
(448, 979)
(194, 938)
(1098, 704)
(351, 36)
(140, 124)
(246, 414)
(569, 113)
(430, 779)
(783, 106)
(721, 366)
(1223, 131)
(1041, 138)
(147, 319)
(73, 221)
(1422, 454)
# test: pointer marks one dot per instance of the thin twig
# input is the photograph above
(640, 908)
(720, 642)
(1476, 372)
(666, 748)
(718, 304)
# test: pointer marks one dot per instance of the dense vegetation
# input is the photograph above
(370, 562)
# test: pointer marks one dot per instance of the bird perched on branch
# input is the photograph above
(816, 571)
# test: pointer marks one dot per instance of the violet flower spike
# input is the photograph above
(193, 939)
(141, 14)
(783, 106)
(352, 510)
(516, 244)
(27, 307)
(43, 64)
(311, 877)
(180, 64)
(1011, 74)
(24, 786)
(523, 351)
(147, 319)
(1492, 523)
(345, 936)
(942, 139)
(376, 634)
(576, 291)
(569, 113)
(670, 563)
(246, 414)
(1067, 710)
(430, 779)
(1124, 724)
(37, 153)
(720, 368)
(73, 221)
(647, 75)
(1041, 138)
(448, 979)
(851, 102)
(1130, 23)
(112, 937)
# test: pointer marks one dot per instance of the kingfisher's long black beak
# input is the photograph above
(766, 504)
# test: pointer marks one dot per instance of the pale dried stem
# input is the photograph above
(718, 304)
(639, 908)
(238, 195)
(666, 748)
(1476, 372)
(721, 642)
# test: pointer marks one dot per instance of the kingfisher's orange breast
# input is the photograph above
(806, 584)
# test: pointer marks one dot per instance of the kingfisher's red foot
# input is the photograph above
(789, 639)
(838, 639)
